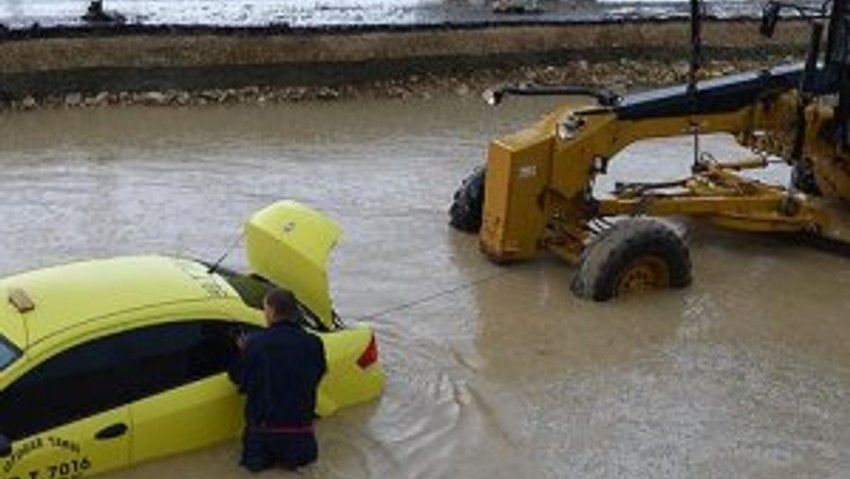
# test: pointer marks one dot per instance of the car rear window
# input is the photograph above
(253, 288)
(8, 352)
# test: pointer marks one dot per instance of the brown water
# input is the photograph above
(744, 374)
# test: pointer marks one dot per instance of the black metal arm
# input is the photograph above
(494, 95)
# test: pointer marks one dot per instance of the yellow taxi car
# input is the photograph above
(107, 363)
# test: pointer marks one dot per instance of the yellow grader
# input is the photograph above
(536, 190)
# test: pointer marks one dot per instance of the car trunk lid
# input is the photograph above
(289, 244)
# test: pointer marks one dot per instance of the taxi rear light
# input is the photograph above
(370, 354)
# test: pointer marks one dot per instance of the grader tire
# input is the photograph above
(803, 179)
(634, 255)
(465, 212)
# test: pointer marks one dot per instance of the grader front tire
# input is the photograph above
(468, 203)
(634, 255)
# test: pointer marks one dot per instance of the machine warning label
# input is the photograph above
(527, 171)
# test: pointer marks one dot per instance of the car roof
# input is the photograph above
(68, 295)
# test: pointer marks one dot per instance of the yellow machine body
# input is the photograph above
(538, 182)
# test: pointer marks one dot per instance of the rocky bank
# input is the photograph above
(622, 76)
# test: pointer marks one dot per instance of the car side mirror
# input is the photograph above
(5, 446)
(769, 17)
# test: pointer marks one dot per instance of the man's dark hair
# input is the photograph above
(283, 304)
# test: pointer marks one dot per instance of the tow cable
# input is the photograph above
(425, 299)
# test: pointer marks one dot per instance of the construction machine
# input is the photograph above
(536, 190)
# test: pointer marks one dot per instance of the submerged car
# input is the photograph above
(107, 363)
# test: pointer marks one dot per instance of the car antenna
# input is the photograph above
(213, 267)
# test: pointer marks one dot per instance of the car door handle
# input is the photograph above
(112, 431)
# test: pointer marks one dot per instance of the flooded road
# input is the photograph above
(492, 371)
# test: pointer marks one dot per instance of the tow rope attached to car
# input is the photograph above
(433, 296)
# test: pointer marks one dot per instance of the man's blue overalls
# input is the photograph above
(279, 372)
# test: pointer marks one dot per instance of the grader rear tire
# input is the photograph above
(465, 212)
(634, 255)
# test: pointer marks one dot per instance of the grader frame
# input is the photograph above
(537, 192)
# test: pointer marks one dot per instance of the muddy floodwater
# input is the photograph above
(492, 372)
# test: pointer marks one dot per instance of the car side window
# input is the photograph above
(113, 371)
(74, 384)
(171, 355)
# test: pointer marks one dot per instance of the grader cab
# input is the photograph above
(536, 190)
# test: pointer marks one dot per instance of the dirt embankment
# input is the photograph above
(181, 67)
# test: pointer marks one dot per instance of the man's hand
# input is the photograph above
(241, 340)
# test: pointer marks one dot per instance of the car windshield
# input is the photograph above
(8, 352)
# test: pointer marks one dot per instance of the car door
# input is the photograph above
(185, 400)
(67, 415)
(88, 446)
